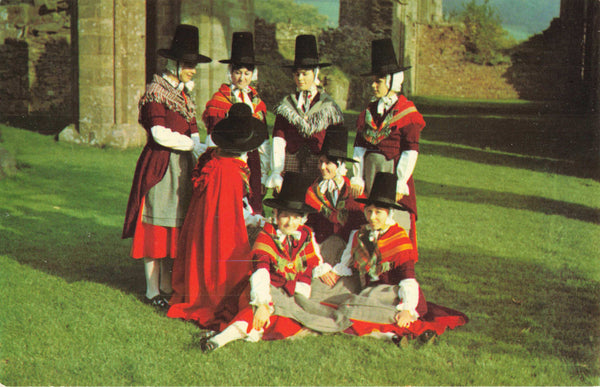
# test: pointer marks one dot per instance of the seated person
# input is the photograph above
(286, 258)
(391, 303)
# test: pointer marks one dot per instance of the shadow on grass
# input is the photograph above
(75, 249)
(566, 144)
(517, 306)
(509, 200)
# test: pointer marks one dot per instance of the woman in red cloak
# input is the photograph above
(212, 267)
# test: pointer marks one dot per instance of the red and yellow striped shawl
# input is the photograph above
(392, 249)
(289, 267)
(399, 116)
(220, 103)
(337, 214)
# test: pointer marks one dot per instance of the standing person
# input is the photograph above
(388, 131)
(241, 72)
(212, 265)
(391, 304)
(303, 117)
(161, 186)
(286, 258)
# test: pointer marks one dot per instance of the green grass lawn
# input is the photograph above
(509, 233)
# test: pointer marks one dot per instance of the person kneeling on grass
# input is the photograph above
(286, 258)
(391, 304)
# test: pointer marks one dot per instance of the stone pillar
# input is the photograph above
(404, 37)
(216, 20)
(111, 54)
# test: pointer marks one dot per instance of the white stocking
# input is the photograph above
(152, 271)
(235, 331)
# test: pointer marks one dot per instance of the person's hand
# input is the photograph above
(404, 319)
(356, 190)
(261, 318)
(399, 196)
(330, 278)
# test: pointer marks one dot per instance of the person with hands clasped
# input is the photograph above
(388, 131)
(302, 118)
(161, 187)
(286, 259)
(391, 304)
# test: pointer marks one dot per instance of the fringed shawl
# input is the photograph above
(321, 115)
(163, 92)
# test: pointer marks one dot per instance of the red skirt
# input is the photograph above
(150, 241)
(280, 327)
(438, 319)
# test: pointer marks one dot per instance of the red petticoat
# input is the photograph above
(280, 327)
(150, 241)
(438, 319)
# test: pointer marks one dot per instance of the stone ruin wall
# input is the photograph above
(35, 53)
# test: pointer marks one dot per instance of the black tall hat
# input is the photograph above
(335, 145)
(383, 192)
(383, 58)
(242, 50)
(292, 194)
(306, 55)
(239, 131)
(184, 47)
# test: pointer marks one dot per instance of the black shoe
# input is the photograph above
(428, 337)
(400, 341)
(208, 346)
(207, 334)
(158, 302)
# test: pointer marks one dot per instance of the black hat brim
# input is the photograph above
(305, 65)
(381, 203)
(387, 72)
(287, 205)
(242, 63)
(188, 58)
(258, 136)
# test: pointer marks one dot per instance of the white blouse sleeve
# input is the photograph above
(260, 291)
(277, 163)
(357, 167)
(406, 166)
(408, 292)
(170, 139)
(343, 268)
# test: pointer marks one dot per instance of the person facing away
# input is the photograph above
(161, 187)
(286, 259)
(210, 273)
(303, 117)
(387, 137)
(241, 72)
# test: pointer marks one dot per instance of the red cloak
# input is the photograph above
(211, 271)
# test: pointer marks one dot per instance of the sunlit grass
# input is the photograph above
(507, 236)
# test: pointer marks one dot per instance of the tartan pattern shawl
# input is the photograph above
(322, 203)
(221, 102)
(285, 265)
(161, 91)
(392, 249)
(374, 134)
(322, 114)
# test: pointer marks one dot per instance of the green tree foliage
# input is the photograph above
(485, 38)
(288, 11)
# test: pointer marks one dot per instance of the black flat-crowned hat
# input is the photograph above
(239, 132)
(292, 194)
(383, 58)
(184, 47)
(383, 192)
(242, 50)
(306, 54)
(335, 144)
